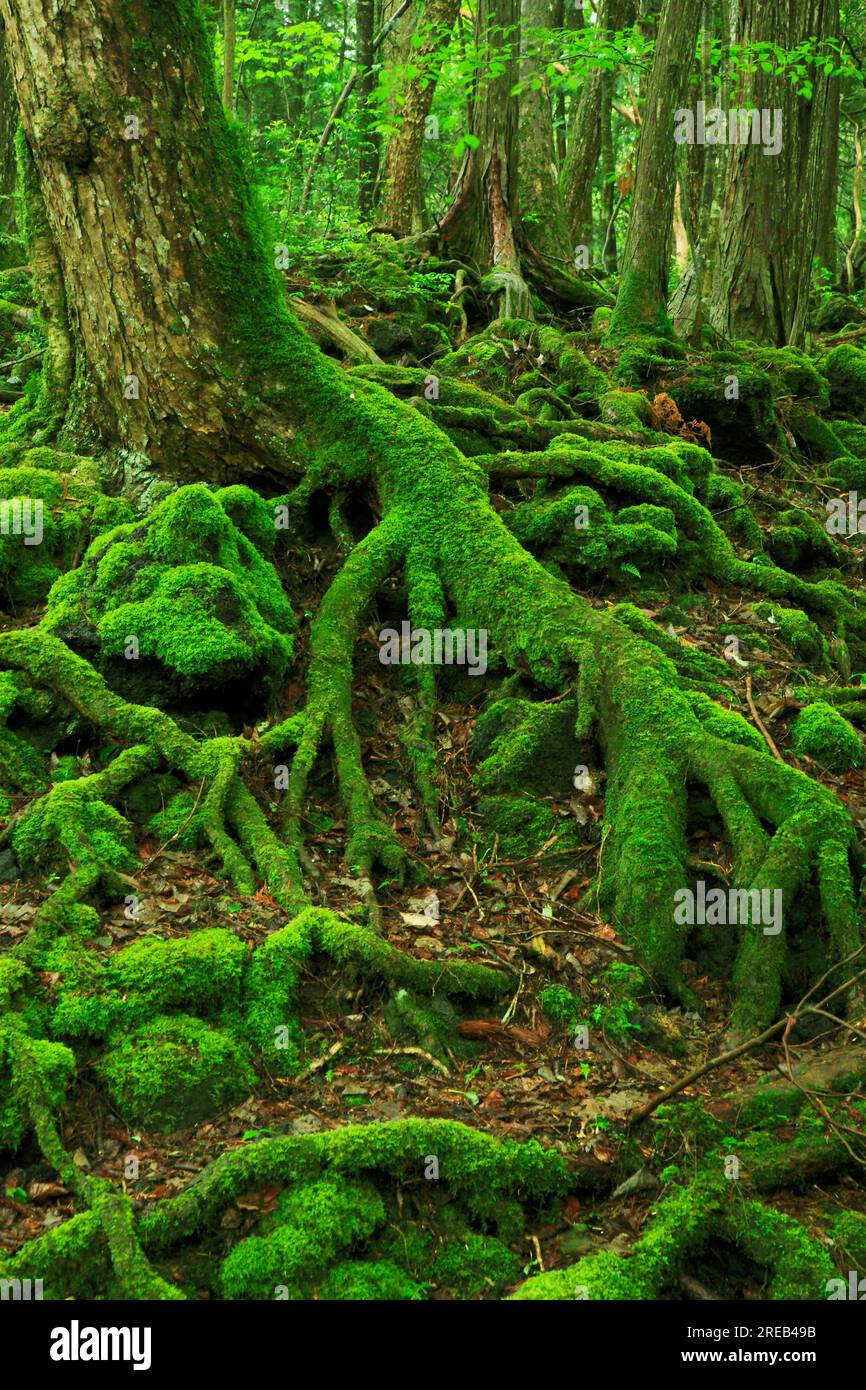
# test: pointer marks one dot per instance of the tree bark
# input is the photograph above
(229, 31)
(642, 298)
(172, 308)
(401, 178)
(585, 136)
(8, 125)
(478, 226)
(368, 149)
(539, 208)
(772, 212)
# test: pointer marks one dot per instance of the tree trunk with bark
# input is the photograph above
(229, 39)
(172, 361)
(8, 126)
(642, 298)
(368, 153)
(772, 212)
(401, 178)
(539, 209)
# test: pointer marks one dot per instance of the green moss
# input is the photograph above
(822, 733)
(522, 824)
(187, 584)
(364, 1281)
(797, 629)
(472, 1264)
(725, 723)
(849, 1237)
(70, 1259)
(845, 369)
(204, 970)
(628, 410)
(56, 1067)
(174, 1072)
(488, 1174)
(181, 821)
(853, 436)
(644, 358)
(272, 980)
(559, 1005)
(523, 745)
(728, 497)
(70, 819)
(313, 1224)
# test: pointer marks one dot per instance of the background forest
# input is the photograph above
(432, 650)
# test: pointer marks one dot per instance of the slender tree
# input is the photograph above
(642, 298)
(8, 124)
(399, 208)
(229, 38)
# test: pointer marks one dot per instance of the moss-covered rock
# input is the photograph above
(363, 1281)
(845, 369)
(56, 1068)
(822, 733)
(182, 602)
(174, 1072)
(797, 629)
(313, 1223)
(522, 823)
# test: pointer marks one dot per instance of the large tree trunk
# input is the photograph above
(772, 211)
(401, 179)
(151, 233)
(539, 211)
(643, 292)
(478, 226)
(8, 124)
(701, 179)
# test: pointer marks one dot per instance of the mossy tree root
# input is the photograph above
(651, 738)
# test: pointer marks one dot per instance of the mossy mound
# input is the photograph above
(797, 629)
(822, 733)
(364, 1281)
(312, 1224)
(56, 1067)
(174, 1072)
(151, 977)
(523, 824)
(724, 723)
(183, 602)
(578, 531)
(522, 744)
(845, 369)
(730, 395)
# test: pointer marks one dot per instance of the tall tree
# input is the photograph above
(229, 40)
(365, 15)
(172, 360)
(642, 298)
(399, 206)
(585, 134)
(538, 203)
(772, 211)
(8, 124)
(479, 224)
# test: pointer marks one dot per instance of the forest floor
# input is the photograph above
(518, 1070)
(524, 1079)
